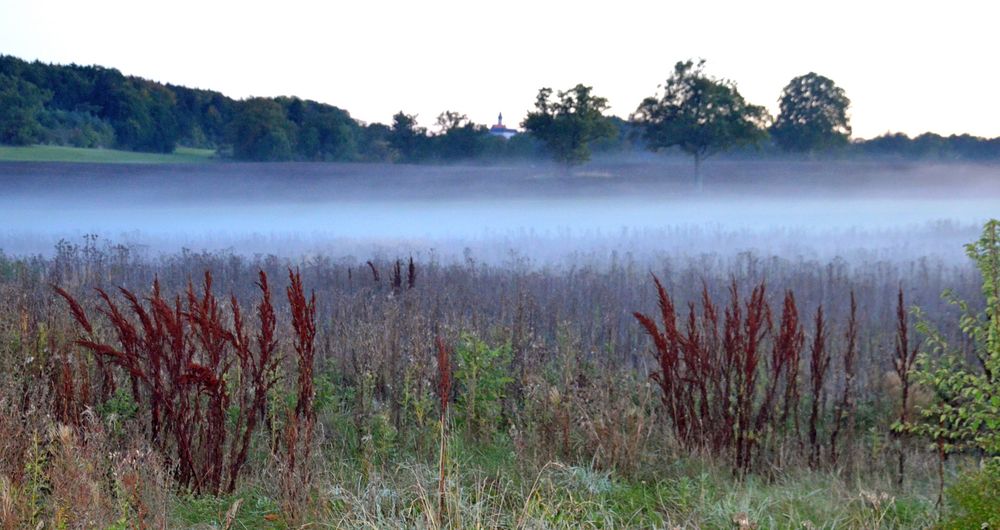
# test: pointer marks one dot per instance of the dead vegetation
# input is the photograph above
(127, 386)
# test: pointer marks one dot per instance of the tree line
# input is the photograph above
(692, 113)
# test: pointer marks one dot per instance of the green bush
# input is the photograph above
(483, 376)
(974, 500)
(119, 407)
(965, 414)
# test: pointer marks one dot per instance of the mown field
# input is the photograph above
(56, 153)
(751, 392)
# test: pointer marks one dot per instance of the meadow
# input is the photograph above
(59, 153)
(552, 419)
(746, 375)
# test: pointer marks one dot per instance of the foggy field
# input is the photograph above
(487, 347)
(643, 205)
(728, 265)
(639, 174)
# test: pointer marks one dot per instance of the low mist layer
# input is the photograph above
(543, 213)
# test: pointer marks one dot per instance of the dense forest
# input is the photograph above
(93, 106)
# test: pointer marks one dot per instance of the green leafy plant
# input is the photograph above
(120, 408)
(482, 373)
(965, 413)
(419, 404)
(973, 500)
(37, 486)
(377, 440)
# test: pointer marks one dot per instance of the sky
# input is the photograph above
(906, 66)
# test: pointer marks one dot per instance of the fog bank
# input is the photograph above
(545, 214)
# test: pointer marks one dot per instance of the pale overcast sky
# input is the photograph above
(907, 66)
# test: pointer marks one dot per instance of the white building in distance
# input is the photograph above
(500, 129)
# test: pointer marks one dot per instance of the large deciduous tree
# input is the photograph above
(813, 115)
(20, 107)
(568, 123)
(699, 114)
(407, 138)
(459, 138)
(324, 132)
(261, 131)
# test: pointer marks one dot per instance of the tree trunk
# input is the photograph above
(698, 184)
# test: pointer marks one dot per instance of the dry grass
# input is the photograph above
(322, 411)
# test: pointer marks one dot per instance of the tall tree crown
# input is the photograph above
(569, 122)
(699, 114)
(813, 115)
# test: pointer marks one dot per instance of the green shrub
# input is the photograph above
(974, 500)
(483, 377)
(119, 408)
(965, 414)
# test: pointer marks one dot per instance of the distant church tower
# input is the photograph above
(500, 129)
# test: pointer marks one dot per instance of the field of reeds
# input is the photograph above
(215, 390)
